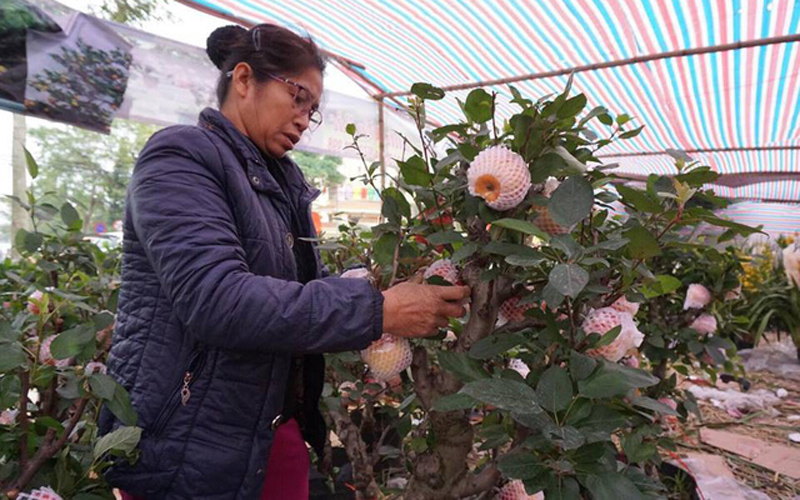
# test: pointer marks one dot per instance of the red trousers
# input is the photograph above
(287, 467)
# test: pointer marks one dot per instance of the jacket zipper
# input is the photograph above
(182, 394)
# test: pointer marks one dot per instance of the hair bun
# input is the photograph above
(219, 42)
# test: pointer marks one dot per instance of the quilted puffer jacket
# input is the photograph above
(210, 311)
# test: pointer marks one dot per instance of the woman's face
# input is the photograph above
(275, 113)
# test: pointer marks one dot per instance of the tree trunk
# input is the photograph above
(19, 217)
(87, 218)
(361, 460)
(442, 471)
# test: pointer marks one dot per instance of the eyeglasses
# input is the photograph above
(303, 101)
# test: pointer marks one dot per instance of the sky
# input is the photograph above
(184, 25)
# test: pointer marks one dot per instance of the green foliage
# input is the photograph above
(573, 424)
(132, 12)
(772, 299)
(322, 170)
(88, 168)
(59, 301)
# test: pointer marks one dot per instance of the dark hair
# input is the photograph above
(268, 49)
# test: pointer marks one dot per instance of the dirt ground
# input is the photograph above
(769, 426)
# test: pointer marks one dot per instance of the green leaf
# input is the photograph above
(442, 132)
(350, 129)
(520, 465)
(611, 486)
(663, 285)
(535, 421)
(71, 217)
(507, 249)
(630, 134)
(49, 423)
(721, 343)
(552, 297)
(525, 261)
(493, 436)
(48, 266)
(415, 171)
(715, 355)
(635, 450)
(573, 166)
(454, 402)
(623, 119)
(590, 453)
(72, 342)
(567, 244)
(11, 357)
(418, 444)
(612, 379)
(479, 106)
(569, 279)
(395, 205)
(7, 332)
(383, 248)
(605, 119)
(568, 489)
(698, 176)
(33, 167)
(103, 320)
(522, 227)
(571, 202)
(505, 394)
(69, 388)
(427, 91)
(644, 483)
(580, 365)
(546, 166)
(596, 111)
(491, 346)
(639, 200)
(27, 241)
(124, 440)
(609, 337)
(465, 368)
(652, 404)
(568, 437)
(554, 390)
(642, 244)
(742, 229)
(601, 423)
(102, 386)
(120, 406)
(464, 252)
(572, 107)
(444, 237)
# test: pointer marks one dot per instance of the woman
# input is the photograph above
(220, 295)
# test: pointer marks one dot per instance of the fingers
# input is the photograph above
(453, 293)
(452, 309)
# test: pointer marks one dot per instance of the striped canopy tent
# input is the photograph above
(776, 218)
(719, 79)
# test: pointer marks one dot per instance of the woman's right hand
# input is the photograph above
(415, 310)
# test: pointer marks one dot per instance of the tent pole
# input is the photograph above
(249, 24)
(621, 62)
(704, 150)
(19, 217)
(381, 142)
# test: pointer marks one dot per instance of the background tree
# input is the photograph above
(321, 170)
(89, 168)
(133, 12)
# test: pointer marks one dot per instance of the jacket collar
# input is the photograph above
(300, 191)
